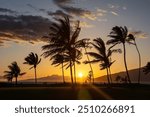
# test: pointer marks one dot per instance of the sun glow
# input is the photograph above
(80, 74)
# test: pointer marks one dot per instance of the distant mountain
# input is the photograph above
(133, 74)
(52, 78)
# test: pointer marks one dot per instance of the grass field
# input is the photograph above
(79, 92)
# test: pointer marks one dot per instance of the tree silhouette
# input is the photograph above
(63, 39)
(58, 59)
(90, 74)
(33, 60)
(102, 56)
(131, 40)
(146, 69)
(119, 35)
(14, 71)
(8, 75)
(84, 43)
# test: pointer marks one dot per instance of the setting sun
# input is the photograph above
(80, 74)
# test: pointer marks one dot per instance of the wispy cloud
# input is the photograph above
(50, 13)
(140, 34)
(85, 24)
(65, 5)
(124, 8)
(114, 13)
(111, 6)
(5, 10)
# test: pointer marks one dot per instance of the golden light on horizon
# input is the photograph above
(80, 75)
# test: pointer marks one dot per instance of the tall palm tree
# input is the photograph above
(14, 71)
(76, 55)
(102, 56)
(131, 40)
(119, 35)
(146, 69)
(62, 39)
(33, 60)
(84, 43)
(58, 59)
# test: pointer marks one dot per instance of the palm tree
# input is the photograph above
(131, 40)
(102, 56)
(62, 39)
(146, 69)
(9, 76)
(33, 60)
(14, 71)
(58, 59)
(119, 35)
(84, 43)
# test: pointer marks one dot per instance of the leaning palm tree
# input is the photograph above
(84, 43)
(119, 35)
(14, 71)
(102, 56)
(33, 60)
(62, 39)
(131, 40)
(146, 69)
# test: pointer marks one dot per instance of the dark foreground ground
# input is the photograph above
(79, 92)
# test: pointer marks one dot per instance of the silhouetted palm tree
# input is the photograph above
(131, 40)
(102, 56)
(119, 35)
(33, 60)
(58, 59)
(84, 43)
(8, 75)
(63, 39)
(146, 69)
(14, 71)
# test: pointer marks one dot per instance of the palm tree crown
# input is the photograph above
(32, 60)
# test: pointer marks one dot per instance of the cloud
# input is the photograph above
(85, 24)
(5, 10)
(140, 34)
(50, 13)
(74, 11)
(114, 13)
(124, 8)
(23, 28)
(58, 13)
(101, 12)
(62, 2)
(111, 6)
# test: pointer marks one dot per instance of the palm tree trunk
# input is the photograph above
(74, 72)
(125, 63)
(35, 75)
(71, 73)
(63, 73)
(16, 80)
(108, 76)
(89, 64)
(139, 76)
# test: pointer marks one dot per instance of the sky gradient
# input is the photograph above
(97, 18)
